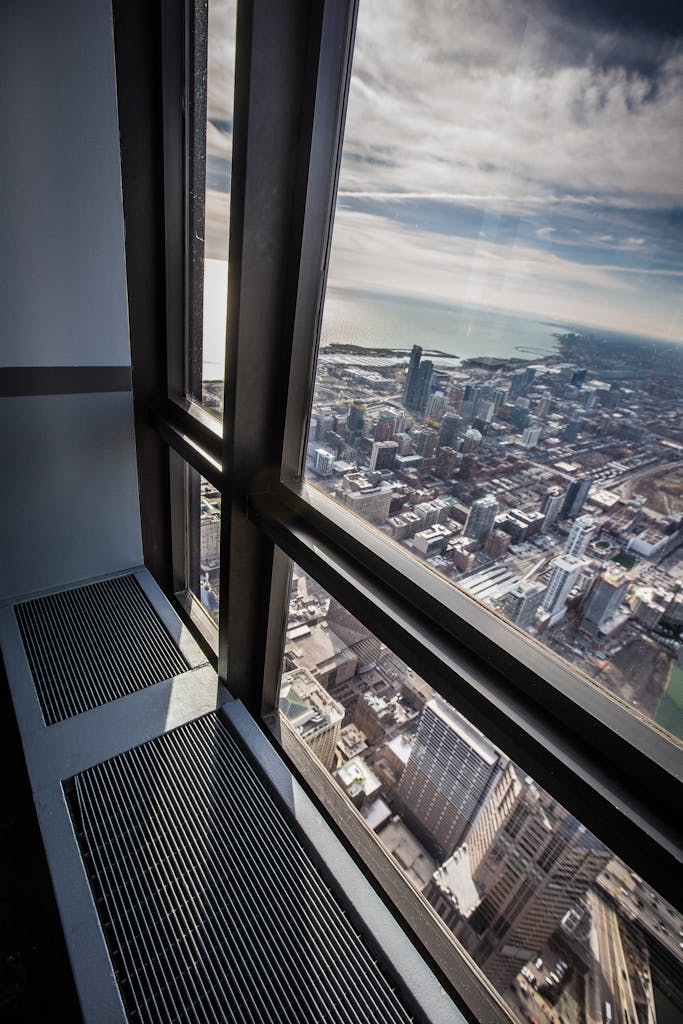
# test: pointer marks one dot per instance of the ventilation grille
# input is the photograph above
(93, 644)
(212, 909)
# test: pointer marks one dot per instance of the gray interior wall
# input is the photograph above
(68, 485)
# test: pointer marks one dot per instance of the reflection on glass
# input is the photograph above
(204, 542)
(219, 112)
(500, 371)
(560, 926)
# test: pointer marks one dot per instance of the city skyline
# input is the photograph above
(517, 158)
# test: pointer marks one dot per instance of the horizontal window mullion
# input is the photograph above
(204, 429)
(189, 446)
(538, 674)
(627, 799)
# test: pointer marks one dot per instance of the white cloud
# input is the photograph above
(474, 99)
(374, 253)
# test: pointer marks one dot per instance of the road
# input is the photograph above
(608, 981)
(636, 902)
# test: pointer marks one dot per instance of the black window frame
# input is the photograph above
(618, 774)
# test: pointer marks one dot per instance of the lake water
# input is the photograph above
(393, 321)
(383, 321)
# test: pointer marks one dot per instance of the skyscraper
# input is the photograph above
(383, 454)
(528, 872)
(531, 437)
(481, 517)
(355, 417)
(566, 569)
(413, 367)
(471, 441)
(580, 534)
(607, 593)
(436, 405)
(418, 382)
(389, 422)
(575, 496)
(522, 603)
(552, 503)
(323, 462)
(452, 426)
(447, 779)
(312, 712)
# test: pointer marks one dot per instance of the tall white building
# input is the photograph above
(531, 437)
(481, 517)
(552, 505)
(436, 406)
(448, 778)
(565, 574)
(522, 603)
(324, 461)
(580, 535)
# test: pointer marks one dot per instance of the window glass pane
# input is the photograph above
(499, 377)
(219, 87)
(562, 928)
(204, 529)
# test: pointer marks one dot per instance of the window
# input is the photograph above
(594, 756)
(464, 403)
(220, 71)
(200, 62)
(514, 876)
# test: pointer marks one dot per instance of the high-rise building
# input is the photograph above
(496, 544)
(389, 422)
(446, 463)
(571, 431)
(552, 504)
(580, 535)
(323, 461)
(471, 441)
(447, 779)
(606, 594)
(383, 455)
(531, 437)
(355, 417)
(565, 574)
(516, 384)
(419, 381)
(436, 406)
(472, 392)
(522, 603)
(481, 517)
(452, 426)
(425, 440)
(575, 496)
(528, 872)
(413, 367)
(371, 501)
(326, 420)
(484, 410)
(312, 713)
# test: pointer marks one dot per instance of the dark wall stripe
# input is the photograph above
(18, 381)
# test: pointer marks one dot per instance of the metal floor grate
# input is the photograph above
(212, 908)
(92, 644)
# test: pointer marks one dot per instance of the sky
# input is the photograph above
(524, 156)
